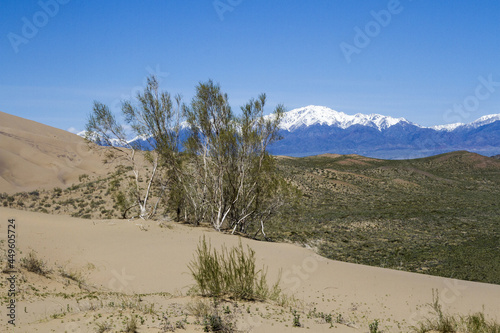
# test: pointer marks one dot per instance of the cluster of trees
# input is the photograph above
(221, 173)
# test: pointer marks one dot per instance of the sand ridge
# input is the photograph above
(36, 156)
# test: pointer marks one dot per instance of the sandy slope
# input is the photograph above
(135, 257)
(34, 156)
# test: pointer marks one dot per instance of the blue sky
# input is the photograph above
(432, 62)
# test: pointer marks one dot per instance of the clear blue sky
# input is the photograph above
(417, 63)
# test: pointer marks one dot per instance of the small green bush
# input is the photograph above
(32, 264)
(374, 326)
(230, 273)
(296, 319)
(476, 323)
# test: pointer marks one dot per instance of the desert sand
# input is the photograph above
(137, 257)
(36, 156)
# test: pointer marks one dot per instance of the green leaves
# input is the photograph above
(230, 273)
(234, 177)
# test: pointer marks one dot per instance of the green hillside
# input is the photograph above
(438, 215)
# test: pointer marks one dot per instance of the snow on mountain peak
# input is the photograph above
(447, 127)
(484, 120)
(321, 115)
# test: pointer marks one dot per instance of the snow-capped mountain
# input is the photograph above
(321, 115)
(313, 130)
(484, 120)
(97, 139)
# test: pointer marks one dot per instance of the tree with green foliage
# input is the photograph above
(233, 178)
(154, 115)
(225, 176)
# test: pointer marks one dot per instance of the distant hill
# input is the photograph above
(435, 215)
(33, 156)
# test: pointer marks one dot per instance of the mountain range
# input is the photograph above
(314, 130)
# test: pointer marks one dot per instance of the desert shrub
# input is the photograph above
(73, 275)
(374, 326)
(114, 184)
(131, 325)
(83, 177)
(34, 193)
(296, 319)
(230, 273)
(444, 323)
(477, 323)
(213, 321)
(103, 327)
(32, 264)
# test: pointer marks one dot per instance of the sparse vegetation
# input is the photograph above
(374, 326)
(229, 273)
(35, 265)
(296, 319)
(103, 327)
(73, 275)
(131, 325)
(199, 308)
(435, 215)
(215, 322)
(212, 315)
(445, 323)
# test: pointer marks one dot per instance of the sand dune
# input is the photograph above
(35, 156)
(143, 258)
